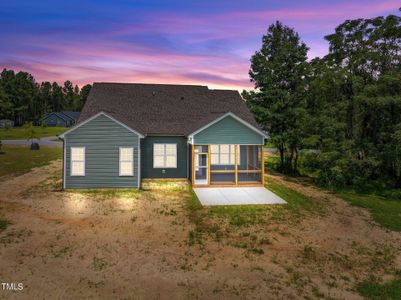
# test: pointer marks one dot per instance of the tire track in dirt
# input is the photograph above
(12, 188)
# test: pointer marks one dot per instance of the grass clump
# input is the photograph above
(98, 263)
(3, 224)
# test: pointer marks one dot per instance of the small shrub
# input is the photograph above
(265, 241)
(98, 263)
(3, 224)
(256, 250)
(308, 252)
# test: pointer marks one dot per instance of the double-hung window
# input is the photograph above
(77, 161)
(222, 154)
(126, 161)
(164, 155)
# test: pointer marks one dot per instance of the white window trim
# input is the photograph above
(71, 161)
(229, 155)
(132, 161)
(164, 156)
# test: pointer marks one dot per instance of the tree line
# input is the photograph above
(24, 100)
(336, 118)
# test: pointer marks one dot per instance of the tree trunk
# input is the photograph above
(296, 160)
(281, 149)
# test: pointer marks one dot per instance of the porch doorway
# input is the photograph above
(201, 165)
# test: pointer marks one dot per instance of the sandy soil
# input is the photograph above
(135, 245)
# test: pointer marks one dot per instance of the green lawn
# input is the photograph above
(379, 291)
(22, 133)
(20, 159)
(385, 211)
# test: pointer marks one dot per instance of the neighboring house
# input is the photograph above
(128, 132)
(61, 119)
(6, 123)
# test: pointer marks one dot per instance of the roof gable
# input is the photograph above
(74, 115)
(228, 129)
(58, 115)
(229, 114)
(163, 109)
(94, 117)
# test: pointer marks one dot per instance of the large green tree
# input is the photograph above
(354, 99)
(278, 71)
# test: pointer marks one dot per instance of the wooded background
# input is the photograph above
(336, 118)
(24, 100)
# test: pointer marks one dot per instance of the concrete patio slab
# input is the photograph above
(236, 196)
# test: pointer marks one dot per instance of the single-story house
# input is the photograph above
(6, 123)
(128, 132)
(61, 119)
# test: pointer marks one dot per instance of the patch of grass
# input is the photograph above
(98, 263)
(241, 215)
(195, 236)
(380, 291)
(297, 203)
(18, 160)
(384, 211)
(22, 133)
(256, 250)
(308, 252)
(257, 268)
(265, 241)
(3, 224)
(108, 193)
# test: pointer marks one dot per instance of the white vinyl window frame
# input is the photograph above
(75, 160)
(217, 156)
(125, 160)
(160, 160)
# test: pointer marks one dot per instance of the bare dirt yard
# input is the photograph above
(158, 243)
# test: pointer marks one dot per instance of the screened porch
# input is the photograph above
(227, 164)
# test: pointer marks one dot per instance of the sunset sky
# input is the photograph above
(187, 42)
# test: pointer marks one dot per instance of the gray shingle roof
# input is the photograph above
(74, 115)
(162, 108)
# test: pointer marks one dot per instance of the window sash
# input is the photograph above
(77, 167)
(223, 154)
(126, 161)
(165, 156)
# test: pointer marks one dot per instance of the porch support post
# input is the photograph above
(236, 164)
(263, 164)
(247, 158)
(208, 164)
(192, 162)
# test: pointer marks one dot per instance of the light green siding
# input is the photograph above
(102, 137)
(228, 131)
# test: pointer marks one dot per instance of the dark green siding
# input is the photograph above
(147, 157)
(228, 131)
(102, 138)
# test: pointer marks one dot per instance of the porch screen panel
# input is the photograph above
(250, 164)
(222, 164)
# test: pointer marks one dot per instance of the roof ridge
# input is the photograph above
(149, 84)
